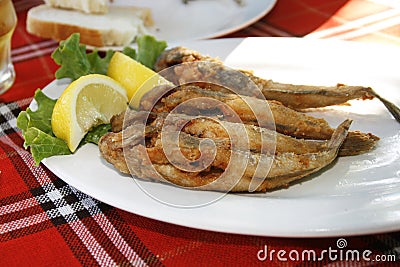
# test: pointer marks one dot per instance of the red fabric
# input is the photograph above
(46, 222)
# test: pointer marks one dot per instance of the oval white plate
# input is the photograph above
(355, 195)
(199, 19)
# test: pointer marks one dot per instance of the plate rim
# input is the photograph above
(269, 5)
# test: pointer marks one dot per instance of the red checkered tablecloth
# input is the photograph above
(46, 222)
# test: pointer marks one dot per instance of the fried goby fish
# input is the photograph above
(140, 149)
(223, 131)
(291, 95)
(356, 142)
(286, 121)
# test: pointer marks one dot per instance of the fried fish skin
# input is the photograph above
(153, 163)
(178, 55)
(356, 142)
(287, 121)
(284, 163)
(260, 138)
(310, 96)
(291, 95)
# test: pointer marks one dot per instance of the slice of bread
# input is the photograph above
(87, 6)
(118, 27)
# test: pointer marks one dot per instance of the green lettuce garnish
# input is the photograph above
(149, 49)
(94, 135)
(44, 145)
(37, 132)
(38, 135)
(75, 62)
(41, 118)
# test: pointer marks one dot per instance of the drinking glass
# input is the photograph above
(8, 21)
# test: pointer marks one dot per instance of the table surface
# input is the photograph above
(33, 229)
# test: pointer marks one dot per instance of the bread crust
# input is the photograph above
(38, 23)
(60, 31)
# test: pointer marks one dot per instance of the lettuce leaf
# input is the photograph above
(38, 135)
(37, 131)
(44, 145)
(72, 58)
(99, 64)
(41, 118)
(94, 135)
(130, 52)
(149, 49)
(75, 62)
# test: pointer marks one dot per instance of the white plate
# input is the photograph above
(200, 19)
(356, 195)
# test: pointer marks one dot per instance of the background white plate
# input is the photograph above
(356, 195)
(200, 19)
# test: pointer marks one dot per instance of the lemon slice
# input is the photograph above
(134, 76)
(88, 101)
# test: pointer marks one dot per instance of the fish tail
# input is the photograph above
(393, 109)
(339, 135)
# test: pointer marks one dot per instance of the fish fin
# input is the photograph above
(339, 135)
(393, 109)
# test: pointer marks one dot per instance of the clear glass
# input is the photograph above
(8, 21)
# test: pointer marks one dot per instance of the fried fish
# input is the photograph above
(291, 95)
(145, 156)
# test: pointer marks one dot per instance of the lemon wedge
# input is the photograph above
(88, 101)
(135, 77)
